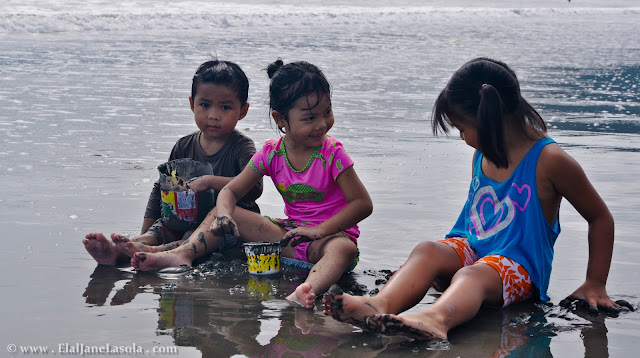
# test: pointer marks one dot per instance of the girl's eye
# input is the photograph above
(328, 112)
(204, 105)
(226, 108)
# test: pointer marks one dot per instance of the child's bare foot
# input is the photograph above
(416, 327)
(129, 248)
(101, 249)
(145, 261)
(349, 309)
(303, 296)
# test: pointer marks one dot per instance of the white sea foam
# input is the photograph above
(32, 17)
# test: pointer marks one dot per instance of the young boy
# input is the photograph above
(219, 93)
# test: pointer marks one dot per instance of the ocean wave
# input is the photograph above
(212, 16)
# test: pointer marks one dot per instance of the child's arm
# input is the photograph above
(152, 212)
(358, 208)
(146, 224)
(218, 182)
(569, 180)
(229, 195)
(205, 182)
(240, 156)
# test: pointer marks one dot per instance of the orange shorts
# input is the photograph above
(516, 283)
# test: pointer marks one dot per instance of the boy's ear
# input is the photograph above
(191, 103)
(243, 111)
(278, 118)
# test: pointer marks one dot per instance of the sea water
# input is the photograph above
(93, 95)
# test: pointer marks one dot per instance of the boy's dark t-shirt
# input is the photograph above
(229, 161)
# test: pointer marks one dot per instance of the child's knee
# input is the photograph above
(426, 248)
(464, 273)
(345, 247)
(437, 255)
(351, 250)
(483, 275)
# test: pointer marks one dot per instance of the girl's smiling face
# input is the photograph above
(310, 118)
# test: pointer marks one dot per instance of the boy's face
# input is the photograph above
(217, 110)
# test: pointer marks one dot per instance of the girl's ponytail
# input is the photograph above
(490, 126)
(274, 67)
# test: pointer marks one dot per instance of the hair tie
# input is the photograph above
(484, 85)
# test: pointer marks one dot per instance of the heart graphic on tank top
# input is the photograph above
(475, 183)
(489, 214)
(520, 197)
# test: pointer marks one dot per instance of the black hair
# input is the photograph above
(293, 81)
(225, 73)
(484, 92)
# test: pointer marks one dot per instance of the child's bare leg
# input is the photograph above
(129, 247)
(405, 288)
(470, 287)
(332, 256)
(252, 227)
(200, 243)
(149, 238)
(101, 249)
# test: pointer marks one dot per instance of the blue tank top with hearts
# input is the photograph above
(505, 218)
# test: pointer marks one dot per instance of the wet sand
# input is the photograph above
(55, 293)
(222, 311)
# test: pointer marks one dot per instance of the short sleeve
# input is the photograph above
(246, 150)
(260, 160)
(339, 160)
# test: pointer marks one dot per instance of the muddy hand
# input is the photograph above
(582, 304)
(297, 239)
(223, 225)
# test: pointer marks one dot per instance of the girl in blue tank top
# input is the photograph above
(500, 249)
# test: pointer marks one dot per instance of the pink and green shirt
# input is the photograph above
(311, 195)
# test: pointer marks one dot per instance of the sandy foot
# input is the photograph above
(145, 261)
(101, 249)
(407, 326)
(303, 296)
(129, 247)
(347, 308)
